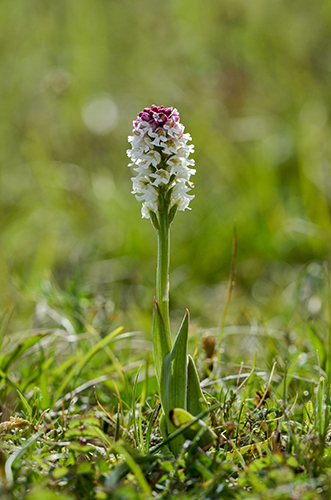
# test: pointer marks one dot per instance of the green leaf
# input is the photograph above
(163, 426)
(172, 213)
(173, 387)
(25, 402)
(84, 468)
(182, 429)
(80, 447)
(60, 472)
(39, 492)
(14, 457)
(196, 402)
(72, 433)
(180, 418)
(292, 462)
(161, 344)
(154, 220)
(132, 463)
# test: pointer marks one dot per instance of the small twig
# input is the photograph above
(208, 382)
(240, 370)
(41, 417)
(267, 388)
(80, 389)
(230, 287)
(244, 382)
(111, 419)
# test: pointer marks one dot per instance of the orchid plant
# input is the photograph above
(160, 156)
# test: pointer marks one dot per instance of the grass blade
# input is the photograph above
(118, 424)
(85, 359)
(150, 425)
(132, 464)
(25, 403)
(196, 402)
(133, 405)
(16, 456)
(19, 349)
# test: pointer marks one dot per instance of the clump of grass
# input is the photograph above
(95, 434)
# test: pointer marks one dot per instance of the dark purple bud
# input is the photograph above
(158, 116)
(145, 116)
(162, 119)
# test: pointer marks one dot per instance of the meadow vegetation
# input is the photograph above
(79, 403)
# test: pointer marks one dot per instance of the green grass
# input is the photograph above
(251, 82)
(86, 409)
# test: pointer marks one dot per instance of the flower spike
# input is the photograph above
(160, 156)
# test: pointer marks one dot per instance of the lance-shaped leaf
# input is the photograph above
(163, 426)
(196, 402)
(173, 387)
(161, 342)
(180, 417)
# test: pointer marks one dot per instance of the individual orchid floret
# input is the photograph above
(160, 156)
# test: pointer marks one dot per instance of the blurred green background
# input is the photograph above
(251, 81)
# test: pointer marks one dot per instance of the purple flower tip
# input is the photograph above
(158, 116)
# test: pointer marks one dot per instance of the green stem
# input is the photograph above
(162, 270)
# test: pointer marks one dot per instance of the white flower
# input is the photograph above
(160, 155)
(180, 196)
